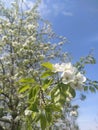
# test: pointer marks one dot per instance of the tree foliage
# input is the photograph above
(33, 90)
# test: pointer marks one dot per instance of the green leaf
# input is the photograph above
(63, 92)
(47, 84)
(28, 124)
(96, 87)
(43, 121)
(37, 118)
(0, 91)
(90, 60)
(27, 80)
(24, 88)
(46, 74)
(48, 108)
(64, 87)
(34, 107)
(56, 108)
(48, 65)
(53, 108)
(1, 112)
(72, 91)
(53, 91)
(49, 117)
(33, 93)
(86, 88)
(62, 99)
(92, 89)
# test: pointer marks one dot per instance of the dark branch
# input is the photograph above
(5, 120)
(2, 67)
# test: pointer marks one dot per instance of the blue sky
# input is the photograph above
(78, 21)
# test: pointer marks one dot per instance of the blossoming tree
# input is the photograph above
(33, 90)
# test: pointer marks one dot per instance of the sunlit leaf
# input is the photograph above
(0, 91)
(33, 93)
(48, 65)
(46, 74)
(53, 91)
(24, 88)
(37, 118)
(27, 80)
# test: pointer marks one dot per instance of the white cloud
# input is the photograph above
(44, 9)
(28, 3)
(62, 8)
(57, 8)
(49, 8)
(67, 13)
(54, 8)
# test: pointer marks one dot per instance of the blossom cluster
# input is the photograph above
(70, 75)
(73, 113)
(28, 112)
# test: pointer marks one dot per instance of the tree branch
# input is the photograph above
(2, 67)
(5, 120)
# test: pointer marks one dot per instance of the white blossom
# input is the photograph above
(78, 81)
(68, 72)
(67, 76)
(28, 11)
(25, 44)
(4, 38)
(10, 31)
(60, 43)
(57, 68)
(80, 77)
(70, 75)
(30, 70)
(42, 56)
(64, 67)
(31, 26)
(8, 24)
(28, 112)
(68, 99)
(41, 45)
(69, 66)
(46, 48)
(73, 113)
(32, 39)
(15, 43)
